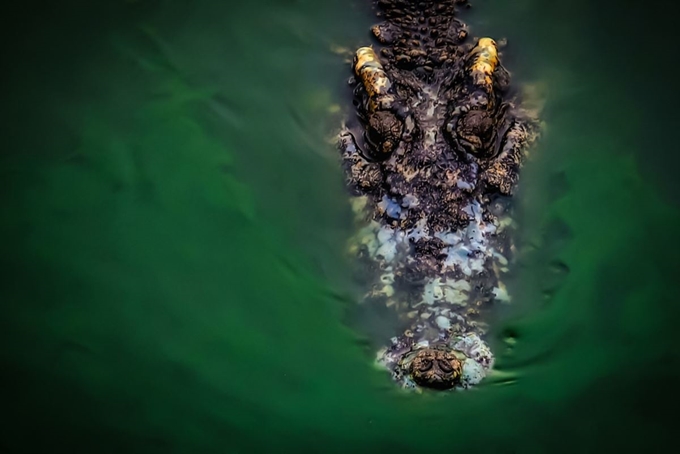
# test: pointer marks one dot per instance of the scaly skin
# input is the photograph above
(432, 159)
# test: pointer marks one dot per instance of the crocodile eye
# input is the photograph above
(445, 366)
(373, 135)
(387, 146)
(425, 365)
(383, 131)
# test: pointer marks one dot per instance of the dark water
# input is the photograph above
(175, 277)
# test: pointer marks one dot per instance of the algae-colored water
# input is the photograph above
(174, 219)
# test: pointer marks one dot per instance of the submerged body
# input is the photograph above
(431, 160)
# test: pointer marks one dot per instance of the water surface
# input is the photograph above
(175, 277)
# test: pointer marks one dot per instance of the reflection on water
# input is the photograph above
(175, 277)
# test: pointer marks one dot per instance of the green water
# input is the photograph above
(174, 223)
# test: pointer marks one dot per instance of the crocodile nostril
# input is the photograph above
(445, 366)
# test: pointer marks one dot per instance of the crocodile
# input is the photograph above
(432, 156)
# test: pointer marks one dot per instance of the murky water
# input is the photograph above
(174, 222)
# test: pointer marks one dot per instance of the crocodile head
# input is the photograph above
(433, 152)
(436, 125)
